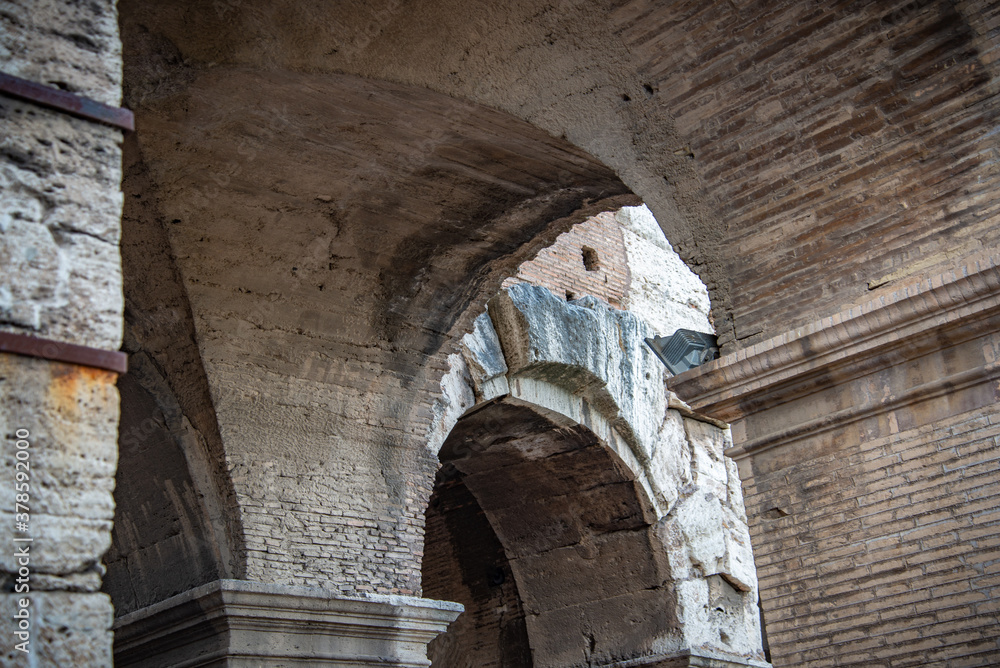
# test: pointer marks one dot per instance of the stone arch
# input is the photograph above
(831, 150)
(562, 67)
(174, 499)
(169, 507)
(318, 235)
(544, 535)
(335, 234)
(316, 238)
(582, 367)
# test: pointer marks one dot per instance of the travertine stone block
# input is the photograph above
(70, 415)
(65, 629)
(65, 44)
(60, 217)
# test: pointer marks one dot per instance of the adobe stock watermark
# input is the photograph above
(22, 540)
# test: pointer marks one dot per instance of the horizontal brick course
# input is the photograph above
(832, 134)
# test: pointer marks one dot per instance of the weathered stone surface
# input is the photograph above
(70, 416)
(571, 361)
(588, 349)
(59, 218)
(663, 291)
(708, 463)
(456, 397)
(804, 156)
(60, 177)
(487, 366)
(66, 629)
(60, 211)
(64, 44)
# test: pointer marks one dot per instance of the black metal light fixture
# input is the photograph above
(685, 349)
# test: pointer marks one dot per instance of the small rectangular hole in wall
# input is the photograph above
(591, 262)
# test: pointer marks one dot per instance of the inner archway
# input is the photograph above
(545, 536)
(567, 467)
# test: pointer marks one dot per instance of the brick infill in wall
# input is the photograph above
(885, 550)
(589, 259)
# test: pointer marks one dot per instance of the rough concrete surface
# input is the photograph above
(68, 45)
(60, 219)
(68, 629)
(60, 214)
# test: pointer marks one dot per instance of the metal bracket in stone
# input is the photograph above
(59, 351)
(68, 103)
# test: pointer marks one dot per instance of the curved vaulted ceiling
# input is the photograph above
(799, 154)
(336, 185)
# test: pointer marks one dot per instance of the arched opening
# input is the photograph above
(565, 463)
(167, 513)
(296, 268)
(545, 536)
(332, 237)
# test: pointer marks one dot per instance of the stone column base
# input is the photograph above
(240, 623)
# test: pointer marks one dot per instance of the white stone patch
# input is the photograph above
(664, 291)
(484, 357)
(36, 272)
(456, 397)
(586, 361)
(670, 460)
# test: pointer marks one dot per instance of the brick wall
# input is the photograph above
(849, 145)
(868, 449)
(623, 259)
(898, 542)
(587, 260)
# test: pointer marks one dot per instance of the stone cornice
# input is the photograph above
(909, 322)
(244, 622)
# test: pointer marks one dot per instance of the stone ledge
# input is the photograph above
(697, 658)
(241, 623)
(911, 321)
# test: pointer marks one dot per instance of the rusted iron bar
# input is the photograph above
(70, 103)
(58, 351)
